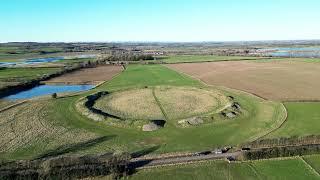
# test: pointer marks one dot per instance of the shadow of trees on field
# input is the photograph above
(71, 148)
(71, 167)
(140, 163)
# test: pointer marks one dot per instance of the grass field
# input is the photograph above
(204, 58)
(293, 168)
(151, 75)
(260, 117)
(13, 53)
(313, 161)
(303, 119)
(8, 74)
(13, 76)
(27, 131)
(275, 80)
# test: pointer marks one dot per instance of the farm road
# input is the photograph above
(149, 163)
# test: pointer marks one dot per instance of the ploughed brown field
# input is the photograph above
(88, 75)
(274, 80)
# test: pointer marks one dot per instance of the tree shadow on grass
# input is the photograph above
(142, 162)
(71, 148)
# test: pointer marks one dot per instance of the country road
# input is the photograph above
(149, 163)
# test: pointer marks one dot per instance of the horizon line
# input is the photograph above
(225, 41)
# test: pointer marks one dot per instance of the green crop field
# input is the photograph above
(207, 170)
(303, 119)
(291, 168)
(14, 76)
(24, 73)
(17, 53)
(150, 75)
(203, 58)
(258, 118)
(313, 161)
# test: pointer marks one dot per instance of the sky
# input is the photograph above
(158, 20)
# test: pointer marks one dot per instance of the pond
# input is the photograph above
(47, 90)
(44, 60)
(31, 61)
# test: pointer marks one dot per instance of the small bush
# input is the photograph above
(54, 95)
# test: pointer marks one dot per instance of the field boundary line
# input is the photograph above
(107, 81)
(175, 164)
(270, 159)
(185, 74)
(159, 104)
(285, 119)
(100, 83)
(13, 105)
(309, 166)
(297, 101)
(180, 163)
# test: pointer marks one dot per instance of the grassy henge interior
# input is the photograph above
(73, 133)
(162, 103)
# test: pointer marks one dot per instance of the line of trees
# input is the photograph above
(67, 167)
(129, 56)
(285, 151)
(294, 140)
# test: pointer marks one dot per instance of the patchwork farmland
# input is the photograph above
(160, 90)
(186, 111)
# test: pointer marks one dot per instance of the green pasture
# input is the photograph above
(290, 168)
(303, 120)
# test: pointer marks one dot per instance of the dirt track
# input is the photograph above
(274, 80)
(141, 164)
(88, 75)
